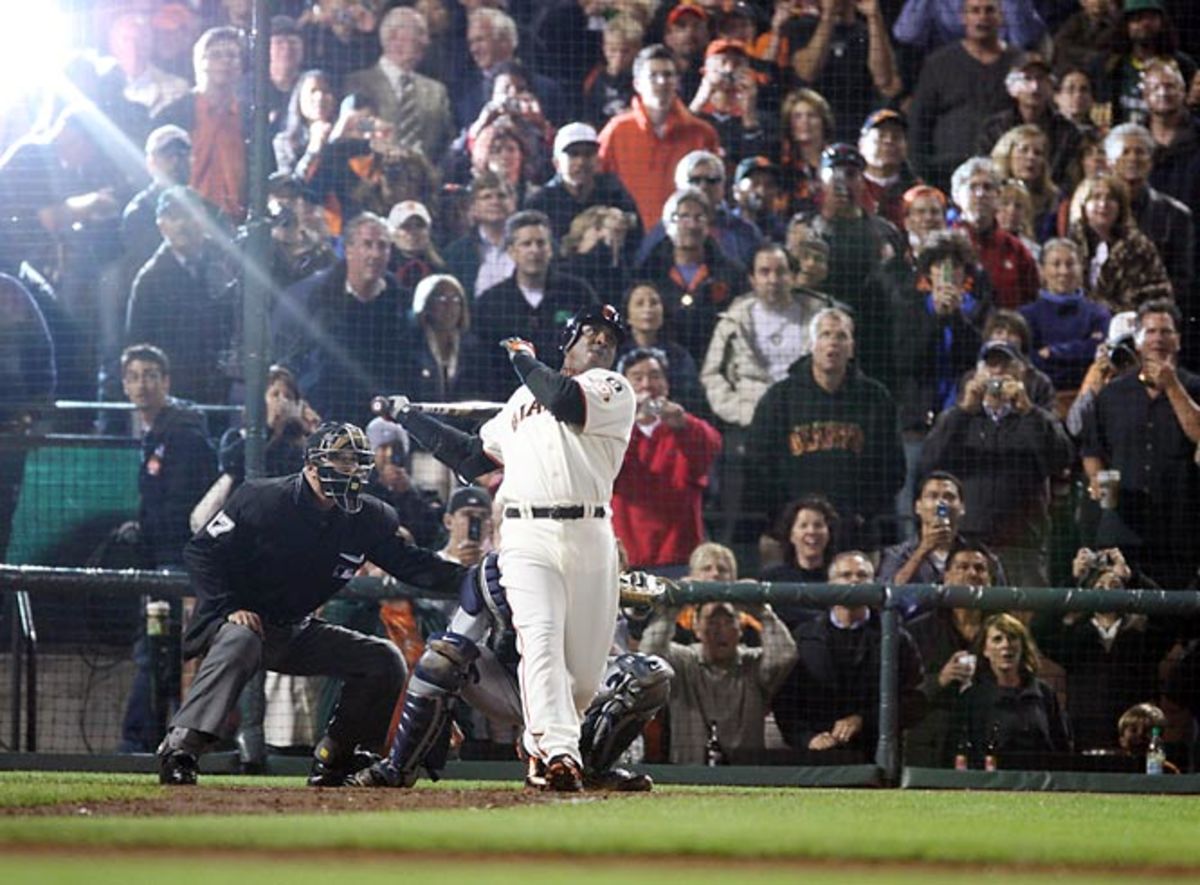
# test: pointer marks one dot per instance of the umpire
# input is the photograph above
(277, 551)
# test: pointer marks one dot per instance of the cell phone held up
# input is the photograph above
(474, 528)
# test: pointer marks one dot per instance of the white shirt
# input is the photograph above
(549, 462)
(781, 336)
(395, 75)
(495, 266)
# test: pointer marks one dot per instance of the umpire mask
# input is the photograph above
(343, 459)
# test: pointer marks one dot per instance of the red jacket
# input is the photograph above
(644, 162)
(657, 495)
(1010, 267)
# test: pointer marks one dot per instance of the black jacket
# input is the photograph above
(502, 311)
(845, 445)
(1005, 467)
(817, 692)
(273, 551)
(178, 466)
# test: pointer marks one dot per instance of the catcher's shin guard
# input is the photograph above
(634, 689)
(424, 721)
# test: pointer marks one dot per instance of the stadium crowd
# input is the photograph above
(910, 286)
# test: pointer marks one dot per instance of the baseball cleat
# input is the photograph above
(563, 775)
(381, 774)
(177, 768)
(617, 780)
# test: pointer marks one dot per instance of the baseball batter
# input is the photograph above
(561, 439)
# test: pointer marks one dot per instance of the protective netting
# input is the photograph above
(857, 245)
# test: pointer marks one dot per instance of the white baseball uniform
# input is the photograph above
(560, 574)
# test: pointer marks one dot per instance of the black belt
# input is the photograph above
(579, 511)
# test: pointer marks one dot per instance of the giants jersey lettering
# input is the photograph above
(549, 462)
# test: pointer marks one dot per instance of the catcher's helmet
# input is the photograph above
(592, 315)
(343, 459)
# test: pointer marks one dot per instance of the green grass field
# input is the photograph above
(703, 834)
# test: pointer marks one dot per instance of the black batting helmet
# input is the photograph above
(591, 315)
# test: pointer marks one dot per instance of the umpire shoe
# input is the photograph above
(177, 768)
(617, 780)
(338, 772)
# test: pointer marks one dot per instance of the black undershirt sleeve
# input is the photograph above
(557, 392)
(461, 452)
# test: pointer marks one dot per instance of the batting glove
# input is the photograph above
(513, 346)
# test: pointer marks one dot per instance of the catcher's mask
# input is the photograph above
(343, 459)
(592, 315)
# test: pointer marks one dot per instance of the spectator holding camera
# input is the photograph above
(939, 509)
(1005, 450)
(1111, 659)
(1115, 355)
(1142, 434)
(727, 99)
(657, 497)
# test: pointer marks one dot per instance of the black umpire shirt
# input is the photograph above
(273, 551)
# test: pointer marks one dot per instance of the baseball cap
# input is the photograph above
(881, 117)
(172, 17)
(469, 496)
(754, 164)
(178, 198)
(686, 9)
(1027, 60)
(284, 26)
(405, 210)
(1002, 347)
(724, 45)
(574, 133)
(382, 432)
(842, 154)
(813, 241)
(1132, 6)
(167, 136)
(1121, 327)
(740, 9)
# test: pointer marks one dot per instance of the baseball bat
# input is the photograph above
(388, 406)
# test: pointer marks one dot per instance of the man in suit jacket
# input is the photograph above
(426, 123)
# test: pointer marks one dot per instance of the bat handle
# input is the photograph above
(389, 406)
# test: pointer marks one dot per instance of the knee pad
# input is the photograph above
(445, 665)
(635, 688)
(422, 737)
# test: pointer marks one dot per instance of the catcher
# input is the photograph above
(475, 661)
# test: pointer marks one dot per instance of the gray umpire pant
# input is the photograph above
(372, 672)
